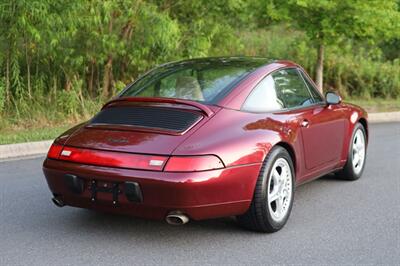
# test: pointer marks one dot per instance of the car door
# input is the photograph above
(323, 131)
(322, 127)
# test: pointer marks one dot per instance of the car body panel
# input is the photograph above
(326, 127)
(195, 193)
(131, 139)
(125, 141)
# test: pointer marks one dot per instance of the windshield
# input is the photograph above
(202, 81)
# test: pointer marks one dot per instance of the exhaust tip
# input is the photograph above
(58, 202)
(176, 218)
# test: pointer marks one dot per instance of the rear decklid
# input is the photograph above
(141, 125)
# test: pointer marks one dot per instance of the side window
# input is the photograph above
(291, 89)
(263, 98)
(317, 97)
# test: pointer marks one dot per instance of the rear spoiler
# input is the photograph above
(206, 110)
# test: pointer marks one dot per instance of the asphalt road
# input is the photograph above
(333, 222)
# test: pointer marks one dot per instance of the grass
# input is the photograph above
(31, 134)
(44, 130)
(46, 117)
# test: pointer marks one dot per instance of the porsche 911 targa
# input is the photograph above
(207, 138)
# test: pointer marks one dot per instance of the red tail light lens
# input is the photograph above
(113, 159)
(54, 151)
(193, 163)
(135, 161)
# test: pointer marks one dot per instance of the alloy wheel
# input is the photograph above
(358, 151)
(279, 189)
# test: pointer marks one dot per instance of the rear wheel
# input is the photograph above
(273, 196)
(356, 156)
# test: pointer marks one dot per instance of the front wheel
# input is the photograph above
(273, 196)
(356, 155)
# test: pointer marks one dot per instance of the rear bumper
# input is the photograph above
(200, 195)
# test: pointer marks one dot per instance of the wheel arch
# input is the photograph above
(291, 152)
(364, 123)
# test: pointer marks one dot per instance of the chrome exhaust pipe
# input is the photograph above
(176, 218)
(58, 202)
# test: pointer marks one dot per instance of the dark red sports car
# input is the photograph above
(208, 138)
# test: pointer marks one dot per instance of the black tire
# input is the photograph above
(348, 172)
(258, 216)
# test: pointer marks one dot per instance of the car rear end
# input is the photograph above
(123, 161)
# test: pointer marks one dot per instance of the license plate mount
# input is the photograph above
(104, 187)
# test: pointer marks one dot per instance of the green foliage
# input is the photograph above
(356, 72)
(357, 75)
(61, 59)
(68, 101)
(330, 21)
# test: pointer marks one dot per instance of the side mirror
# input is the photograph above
(332, 98)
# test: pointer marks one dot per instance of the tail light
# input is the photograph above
(193, 163)
(54, 151)
(135, 161)
(113, 159)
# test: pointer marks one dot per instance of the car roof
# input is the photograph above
(250, 61)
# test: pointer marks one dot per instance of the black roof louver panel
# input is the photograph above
(148, 117)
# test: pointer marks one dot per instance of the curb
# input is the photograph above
(10, 151)
(384, 117)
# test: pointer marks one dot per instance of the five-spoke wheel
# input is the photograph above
(279, 189)
(273, 194)
(358, 151)
(356, 156)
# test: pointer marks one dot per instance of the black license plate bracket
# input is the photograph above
(104, 187)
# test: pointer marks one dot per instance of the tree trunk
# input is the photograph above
(319, 69)
(55, 83)
(8, 91)
(107, 77)
(68, 83)
(28, 71)
(108, 67)
(91, 78)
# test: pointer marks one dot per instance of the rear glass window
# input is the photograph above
(198, 81)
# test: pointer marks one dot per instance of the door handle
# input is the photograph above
(304, 123)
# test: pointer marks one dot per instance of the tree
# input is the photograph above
(208, 27)
(116, 39)
(329, 22)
